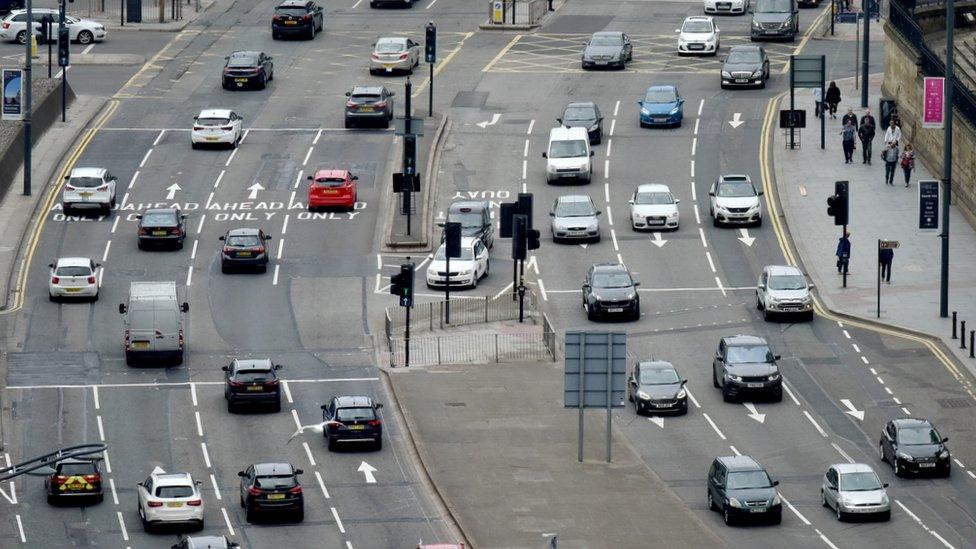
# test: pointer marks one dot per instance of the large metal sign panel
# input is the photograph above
(13, 94)
(928, 204)
(808, 71)
(602, 357)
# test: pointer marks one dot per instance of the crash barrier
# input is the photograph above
(135, 11)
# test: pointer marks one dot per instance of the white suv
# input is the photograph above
(87, 189)
(734, 199)
(698, 35)
(216, 127)
(170, 498)
(783, 289)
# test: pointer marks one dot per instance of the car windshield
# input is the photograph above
(654, 198)
(859, 482)
(918, 435)
(696, 26)
(330, 182)
(574, 209)
(276, 482)
(606, 40)
(174, 491)
(365, 98)
(742, 480)
(86, 182)
(567, 149)
(468, 220)
(467, 254)
(390, 47)
(744, 58)
(735, 190)
(212, 121)
(292, 11)
(73, 271)
(656, 376)
(77, 469)
(787, 282)
(243, 240)
(612, 280)
(773, 6)
(242, 61)
(158, 218)
(253, 375)
(579, 113)
(354, 414)
(660, 96)
(739, 354)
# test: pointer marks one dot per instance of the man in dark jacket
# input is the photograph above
(849, 116)
(865, 132)
(843, 253)
(885, 257)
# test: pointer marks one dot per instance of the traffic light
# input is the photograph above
(837, 205)
(525, 207)
(452, 239)
(63, 41)
(409, 154)
(402, 284)
(519, 231)
(505, 222)
(532, 239)
(430, 45)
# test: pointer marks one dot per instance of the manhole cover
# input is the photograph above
(470, 99)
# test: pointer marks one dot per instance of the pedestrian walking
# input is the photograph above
(832, 99)
(885, 257)
(908, 162)
(847, 139)
(865, 132)
(817, 102)
(843, 253)
(893, 132)
(849, 116)
(890, 156)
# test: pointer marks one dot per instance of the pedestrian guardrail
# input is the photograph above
(473, 348)
(150, 11)
(432, 315)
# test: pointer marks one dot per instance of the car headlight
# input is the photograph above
(465, 272)
(944, 454)
(785, 24)
(757, 73)
(675, 110)
(720, 208)
(631, 295)
(756, 24)
(594, 127)
(904, 456)
(884, 499)
(772, 300)
(673, 214)
(643, 396)
(773, 377)
(681, 394)
(734, 503)
(776, 499)
(726, 74)
(645, 111)
(733, 377)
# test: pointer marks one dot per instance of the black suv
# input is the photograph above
(74, 478)
(745, 365)
(161, 227)
(352, 419)
(297, 18)
(475, 219)
(252, 381)
(740, 488)
(609, 290)
(271, 488)
(655, 386)
(913, 445)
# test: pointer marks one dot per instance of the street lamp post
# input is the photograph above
(947, 159)
(28, 89)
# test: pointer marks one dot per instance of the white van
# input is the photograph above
(153, 323)
(568, 155)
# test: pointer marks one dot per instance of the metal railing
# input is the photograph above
(473, 348)
(431, 315)
(526, 12)
(152, 11)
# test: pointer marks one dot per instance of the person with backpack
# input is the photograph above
(847, 138)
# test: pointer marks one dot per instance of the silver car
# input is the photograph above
(733, 199)
(607, 49)
(783, 289)
(394, 54)
(574, 217)
(853, 489)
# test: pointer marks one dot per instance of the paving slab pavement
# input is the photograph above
(502, 451)
(805, 178)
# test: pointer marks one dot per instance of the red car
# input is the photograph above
(332, 188)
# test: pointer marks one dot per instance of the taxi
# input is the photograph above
(332, 188)
(74, 478)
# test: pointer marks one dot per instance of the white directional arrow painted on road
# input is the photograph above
(485, 124)
(659, 421)
(583, 245)
(254, 191)
(157, 470)
(761, 418)
(368, 470)
(745, 238)
(658, 241)
(859, 414)
(172, 191)
(735, 122)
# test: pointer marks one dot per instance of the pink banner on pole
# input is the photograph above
(933, 108)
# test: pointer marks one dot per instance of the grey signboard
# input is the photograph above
(13, 94)
(602, 358)
(807, 71)
(416, 125)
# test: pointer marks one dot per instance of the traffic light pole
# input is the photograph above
(47, 38)
(879, 278)
(447, 289)
(406, 132)
(28, 91)
(843, 234)
(521, 290)
(947, 159)
(406, 341)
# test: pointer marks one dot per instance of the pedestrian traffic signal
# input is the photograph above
(519, 232)
(402, 284)
(409, 154)
(430, 45)
(837, 205)
(532, 239)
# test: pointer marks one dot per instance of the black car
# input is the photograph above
(244, 248)
(400, 3)
(584, 115)
(745, 66)
(475, 219)
(741, 489)
(75, 479)
(745, 365)
(914, 446)
(369, 104)
(252, 381)
(352, 419)
(205, 542)
(161, 227)
(297, 18)
(609, 290)
(655, 386)
(271, 488)
(247, 69)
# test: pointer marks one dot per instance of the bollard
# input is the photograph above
(972, 336)
(962, 335)
(954, 325)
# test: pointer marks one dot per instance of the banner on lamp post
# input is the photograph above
(13, 94)
(933, 107)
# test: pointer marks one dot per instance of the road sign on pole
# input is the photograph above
(928, 204)
(595, 371)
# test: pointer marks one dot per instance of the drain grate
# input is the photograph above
(455, 404)
(955, 402)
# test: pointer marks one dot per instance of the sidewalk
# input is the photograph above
(501, 450)
(805, 178)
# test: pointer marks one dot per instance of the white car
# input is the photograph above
(73, 277)
(465, 270)
(698, 35)
(854, 490)
(170, 498)
(654, 207)
(396, 53)
(82, 31)
(733, 199)
(216, 127)
(726, 6)
(89, 189)
(783, 289)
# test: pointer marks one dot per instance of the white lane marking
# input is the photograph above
(881, 381)
(606, 192)
(606, 169)
(712, 423)
(959, 463)
(701, 105)
(274, 279)
(864, 360)
(792, 396)
(189, 275)
(856, 348)
(308, 452)
(20, 529)
(210, 199)
(909, 511)
(281, 244)
(616, 107)
(697, 217)
(426, 259)
(503, 290)
(379, 262)
(708, 255)
(609, 146)
(335, 515)
(233, 153)
(432, 2)
(620, 259)
(971, 474)
(613, 126)
(613, 236)
(907, 413)
(193, 393)
(847, 335)
(133, 180)
(873, 371)
(291, 199)
(101, 428)
(815, 424)
(531, 125)
(199, 423)
(694, 145)
(161, 132)
(125, 533)
(348, 544)
(95, 397)
(825, 540)
(840, 324)
(87, 50)
(243, 137)
(697, 120)
(213, 481)
(525, 167)
(294, 416)
(307, 155)
(200, 225)
(224, 509)
(187, 384)
(718, 283)
(842, 452)
(609, 215)
(942, 539)
(193, 252)
(525, 188)
(692, 168)
(284, 385)
(108, 245)
(542, 290)
(144, 158)
(525, 150)
(115, 223)
(325, 492)
(896, 400)
(318, 134)
(735, 450)
(206, 455)
(219, 177)
(701, 233)
(795, 512)
(125, 198)
(922, 524)
(115, 495)
(693, 399)
(298, 178)
(694, 195)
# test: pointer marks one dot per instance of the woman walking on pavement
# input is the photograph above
(908, 162)
(833, 99)
(890, 157)
(847, 137)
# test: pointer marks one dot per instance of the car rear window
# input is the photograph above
(735, 190)
(253, 375)
(86, 182)
(275, 482)
(579, 113)
(390, 47)
(212, 121)
(242, 61)
(353, 414)
(77, 469)
(73, 271)
(174, 492)
(331, 182)
(295, 11)
(158, 219)
(243, 241)
(365, 98)
(468, 220)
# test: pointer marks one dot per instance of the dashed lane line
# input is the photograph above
(230, 527)
(125, 533)
(715, 427)
(176, 383)
(159, 137)
(815, 424)
(335, 515)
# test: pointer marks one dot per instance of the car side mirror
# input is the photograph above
(761, 286)
(636, 284)
(278, 366)
(225, 368)
(355, 178)
(98, 265)
(544, 155)
(324, 407)
(310, 178)
(710, 193)
(348, 94)
(598, 212)
(51, 265)
(777, 357)
(221, 238)
(299, 471)
(233, 545)
(240, 473)
(122, 308)
(391, 94)
(267, 237)
(592, 153)
(138, 216)
(945, 439)
(175, 546)
(441, 223)
(775, 483)
(586, 286)
(681, 100)
(885, 485)
(198, 482)
(379, 405)
(560, 120)
(552, 214)
(631, 201)
(760, 193)
(684, 381)
(196, 117)
(185, 307)
(811, 286)
(184, 216)
(226, 57)
(677, 201)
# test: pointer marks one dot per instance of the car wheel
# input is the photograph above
(840, 515)
(715, 379)
(372, 5)
(778, 396)
(762, 84)
(726, 396)
(52, 297)
(758, 304)
(948, 471)
(300, 515)
(898, 469)
(589, 313)
(52, 500)
(711, 502)
(200, 526)
(85, 37)
(146, 527)
(263, 83)
(230, 407)
(263, 268)
(141, 245)
(386, 123)
(823, 499)
(766, 315)
(241, 496)
(726, 517)
(95, 297)
(777, 519)
(474, 280)
(311, 33)
(224, 269)
(22, 37)
(886, 516)
(249, 515)
(275, 36)
(715, 222)
(276, 407)
(378, 445)
(347, 123)
(759, 223)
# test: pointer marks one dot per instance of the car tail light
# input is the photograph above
(154, 503)
(276, 17)
(380, 104)
(227, 70)
(176, 231)
(307, 17)
(102, 188)
(227, 128)
(6, 24)
(295, 490)
(374, 423)
(195, 502)
(60, 479)
(55, 280)
(92, 479)
(91, 280)
(181, 338)
(143, 230)
(272, 383)
(228, 250)
(254, 491)
(236, 384)
(375, 56)
(258, 250)
(352, 104)
(403, 55)
(125, 339)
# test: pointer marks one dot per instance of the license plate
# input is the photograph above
(254, 387)
(755, 385)
(243, 254)
(696, 47)
(655, 222)
(741, 80)
(660, 119)
(85, 194)
(240, 80)
(769, 32)
(356, 427)
(757, 510)
(240, 84)
(661, 405)
(291, 22)
(211, 139)
(615, 310)
(926, 465)
(159, 233)
(174, 504)
(601, 62)
(75, 486)
(389, 68)
(72, 289)
(276, 496)
(140, 344)
(366, 109)
(330, 192)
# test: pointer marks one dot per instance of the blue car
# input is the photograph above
(661, 106)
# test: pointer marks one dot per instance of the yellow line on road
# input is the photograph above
(440, 66)
(502, 53)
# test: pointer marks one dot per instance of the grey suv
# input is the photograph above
(609, 290)
(783, 289)
(775, 19)
(745, 365)
(740, 488)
